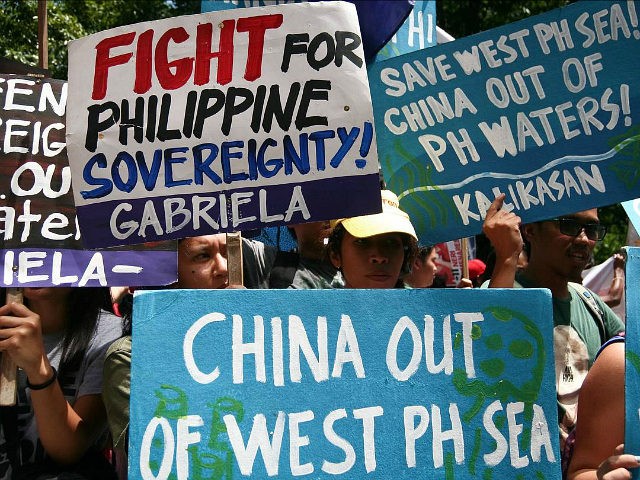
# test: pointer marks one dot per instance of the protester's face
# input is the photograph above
(372, 262)
(424, 271)
(430, 267)
(565, 255)
(311, 238)
(202, 262)
(58, 294)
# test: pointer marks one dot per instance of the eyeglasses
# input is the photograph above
(572, 228)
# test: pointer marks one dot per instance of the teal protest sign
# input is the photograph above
(632, 352)
(343, 383)
(543, 110)
(632, 209)
(416, 33)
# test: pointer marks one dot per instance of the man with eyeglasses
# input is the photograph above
(559, 250)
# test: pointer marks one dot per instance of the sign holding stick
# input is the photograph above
(219, 122)
(343, 384)
(544, 110)
(234, 258)
(8, 368)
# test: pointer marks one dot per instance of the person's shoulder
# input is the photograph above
(120, 347)
(108, 329)
(259, 247)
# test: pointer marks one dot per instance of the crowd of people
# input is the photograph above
(74, 358)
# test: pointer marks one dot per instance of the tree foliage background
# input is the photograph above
(71, 19)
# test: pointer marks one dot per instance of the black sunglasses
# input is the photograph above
(572, 228)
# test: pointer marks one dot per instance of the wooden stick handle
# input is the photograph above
(8, 368)
(464, 246)
(234, 258)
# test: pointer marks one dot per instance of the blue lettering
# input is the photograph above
(347, 141)
(132, 178)
(105, 185)
(319, 138)
(271, 167)
(200, 167)
(291, 156)
(226, 155)
(252, 146)
(169, 161)
(149, 177)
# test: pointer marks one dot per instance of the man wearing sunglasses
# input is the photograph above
(559, 250)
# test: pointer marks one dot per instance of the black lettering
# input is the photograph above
(313, 90)
(95, 126)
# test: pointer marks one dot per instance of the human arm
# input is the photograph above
(502, 228)
(64, 431)
(613, 297)
(597, 452)
(116, 391)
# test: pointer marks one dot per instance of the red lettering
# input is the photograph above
(224, 54)
(256, 26)
(153, 59)
(183, 66)
(104, 61)
(143, 62)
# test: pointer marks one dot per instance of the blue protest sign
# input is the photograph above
(40, 239)
(632, 353)
(343, 383)
(632, 209)
(416, 33)
(542, 110)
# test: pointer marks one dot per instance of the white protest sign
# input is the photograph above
(223, 121)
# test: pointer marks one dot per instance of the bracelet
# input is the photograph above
(45, 384)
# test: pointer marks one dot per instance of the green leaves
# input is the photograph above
(71, 19)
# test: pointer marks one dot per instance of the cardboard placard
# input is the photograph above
(40, 240)
(632, 353)
(343, 384)
(544, 110)
(223, 121)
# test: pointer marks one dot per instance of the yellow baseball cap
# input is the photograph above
(390, 220)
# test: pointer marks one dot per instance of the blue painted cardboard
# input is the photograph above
(416, 33)
(397, 383)
(544, 110)
(632, 209)
(632, 352)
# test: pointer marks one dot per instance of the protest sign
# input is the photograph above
(40, 241)
(543, 110)
(632, 209)
(416, 33)
(223, 121)
(378, 19)
(343, 383)
(632, 353)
